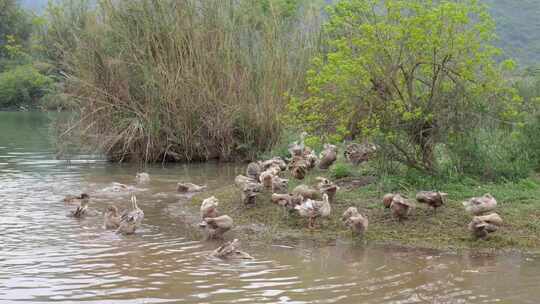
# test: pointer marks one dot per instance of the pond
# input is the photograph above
(46, 256)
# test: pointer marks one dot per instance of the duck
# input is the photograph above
(358, 153)
(400, 207)
(433, 199)
(279, 185)
(253, 170)
(313, 209)
(142, 177)
(276, 162)
(355, 221)
(209, 207)
(189, 187)
(73, 199)
(328, 156)
(241, 180)
(118, 187)
(217, 226)
(131, 219)
(230, 250)
(387, 200)
(310, 157)
(80, 206)
(266, 178)
(299, 172)
(112, 218)
(328, 187)
(298, 148)
(249, 194)
(307, 192)
(480, 205)
(481, 226)
(287, 200)
(298, 167)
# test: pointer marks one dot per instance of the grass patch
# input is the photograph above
(446, 229)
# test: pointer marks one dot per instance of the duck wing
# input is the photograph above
(132, 217)
(79, 211)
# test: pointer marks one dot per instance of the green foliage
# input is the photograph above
(341, 170)
(15, 25)
(22, 85)
(407, 73)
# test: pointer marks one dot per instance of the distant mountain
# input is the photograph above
(518, 26)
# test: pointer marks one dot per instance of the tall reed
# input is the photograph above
(177, 80)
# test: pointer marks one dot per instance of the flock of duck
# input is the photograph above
(308, 202)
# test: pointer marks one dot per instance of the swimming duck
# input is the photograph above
(131, 219)
(480, 205)
(230, 250)
(279, 185)
(118, 187)
(481, 226)
(434, 199)
(72, 199)
(80, 206)
(387, 199)
(328, 156)
(189, 187)
(328, 187)
(253, 170)
(354, 220)
(209, 207)
(307, 192)
(142, 177)
(112, 218)
(400, 207)
(217, 226)
(313, 209)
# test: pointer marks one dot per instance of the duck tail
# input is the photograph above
(134, 201)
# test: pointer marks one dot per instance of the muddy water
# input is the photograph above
(46, 256)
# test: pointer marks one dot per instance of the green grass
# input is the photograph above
(518, 205)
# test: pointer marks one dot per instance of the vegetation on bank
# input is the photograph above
(24, 79)
(182, 80)
(446, 229)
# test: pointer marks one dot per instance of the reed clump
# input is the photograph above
(183, 80)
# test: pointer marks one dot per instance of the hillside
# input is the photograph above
(518, 26)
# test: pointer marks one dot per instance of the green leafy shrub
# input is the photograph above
(22, 85)
(409, 73)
